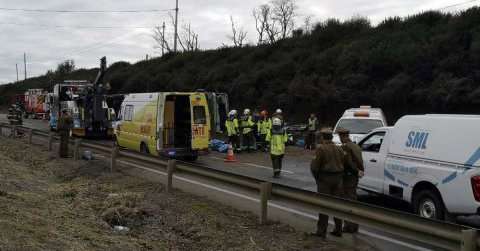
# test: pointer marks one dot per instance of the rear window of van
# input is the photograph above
(199, 115)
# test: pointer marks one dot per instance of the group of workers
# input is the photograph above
(246, 132)
(336, 168)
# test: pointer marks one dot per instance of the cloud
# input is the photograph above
(46, 46)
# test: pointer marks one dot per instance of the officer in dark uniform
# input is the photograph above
(353, 171)
(64, 125)
(327, 168)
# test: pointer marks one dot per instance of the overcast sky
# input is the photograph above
(50, 38)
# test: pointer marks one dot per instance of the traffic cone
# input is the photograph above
(230, 154)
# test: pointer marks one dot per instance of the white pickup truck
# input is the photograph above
(430, 161)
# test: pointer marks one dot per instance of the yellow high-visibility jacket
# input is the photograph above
(264, 126)
(232, 127)
(247, 125)
(277, 143)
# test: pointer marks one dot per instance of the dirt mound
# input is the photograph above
(123, 209)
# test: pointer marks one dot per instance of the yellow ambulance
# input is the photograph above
(172, 124)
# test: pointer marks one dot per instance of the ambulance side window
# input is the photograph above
(373, 143)
(128, 113)
(199, 115)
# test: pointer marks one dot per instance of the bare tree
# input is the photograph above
(189, 39)
(262, 16)
(161, 42)
(283, 12)
(307, 23)
(239, 35)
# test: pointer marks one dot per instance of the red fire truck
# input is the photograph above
(35, 103)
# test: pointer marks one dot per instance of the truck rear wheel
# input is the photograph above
(428, 204)
(144, 148)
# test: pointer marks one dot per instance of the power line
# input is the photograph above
(86, 11)
(455, 5)
(77, 26)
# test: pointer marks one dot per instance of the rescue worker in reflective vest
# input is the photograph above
(64, 125)
(264, 125)
(277, 137)
(233, 130)
(353, 171)
(248, 138)
(327, 168)
(311, 130)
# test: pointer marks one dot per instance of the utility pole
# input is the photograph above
(25, 64)
(163, 39)
(176, 28)
(16, 67)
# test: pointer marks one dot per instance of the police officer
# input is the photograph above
(353, 171)
(264, 125)
(64, 125)
(248, 138)
(232, 129)
(277, 137)
(312, 128)
(327, 168)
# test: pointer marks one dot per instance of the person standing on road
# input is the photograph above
(353, 172)
(264, 125)
(277, 137)
(64, 125)
(311, 130)
(248, 138)
(327, 168)
(232, 129)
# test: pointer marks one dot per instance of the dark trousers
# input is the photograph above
(310, 141)
(248, 141)
(262, 142)
(350, 183)
(330, 184)
(277, 163)
(234, 141)
(64, 144)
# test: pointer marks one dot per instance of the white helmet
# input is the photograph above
(234, 112)
(246, 111)
(276, 122)
(278, 111)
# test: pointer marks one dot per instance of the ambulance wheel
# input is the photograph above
(428, 204)
(144, 148)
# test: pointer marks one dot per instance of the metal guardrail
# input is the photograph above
(434, 233)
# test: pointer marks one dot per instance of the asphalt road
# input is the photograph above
(295, 172)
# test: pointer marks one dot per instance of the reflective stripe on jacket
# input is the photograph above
(247, 125)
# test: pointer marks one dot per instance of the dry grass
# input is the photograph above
(50, 204)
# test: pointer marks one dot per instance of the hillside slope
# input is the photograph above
(428, 62)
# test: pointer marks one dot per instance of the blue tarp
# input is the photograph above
(218, 145)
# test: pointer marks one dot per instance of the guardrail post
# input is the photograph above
(170, 169)
(113, 160)
(14, 131)
(76, 149)
(50, 141)
(265, 194)
(469, 240)
(30, 135)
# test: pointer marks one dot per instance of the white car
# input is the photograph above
(430, 161)
(360, 121)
